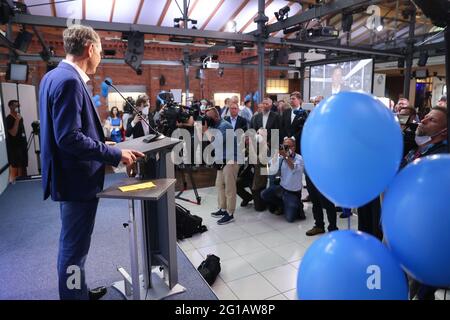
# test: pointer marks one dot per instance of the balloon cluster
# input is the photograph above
(352, 147)
(254, 96)
(96, 100)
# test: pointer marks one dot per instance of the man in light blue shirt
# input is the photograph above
(247, 112)
(224, 143)
(289, 192)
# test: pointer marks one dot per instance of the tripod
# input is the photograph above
(187, 169)
(34, 138)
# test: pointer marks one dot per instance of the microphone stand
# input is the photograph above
(157, 135)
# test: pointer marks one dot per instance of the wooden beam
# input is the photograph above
(112, 11)
(213, 13)
(164, 12)
(235, 13)
(138, 12)
(53, 7)
(254, 17)
(192, 7)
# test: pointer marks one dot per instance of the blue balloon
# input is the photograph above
(104, 90)
(416, 219)
(350, 265)
(98, 103)
(256, 96)
(352, 148)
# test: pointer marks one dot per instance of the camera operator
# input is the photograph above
(127, 112)
(136, 126)
(225, 162)
(185, 119)
(289, 190)
(16, 142)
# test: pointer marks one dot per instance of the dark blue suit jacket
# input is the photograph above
(73, 153)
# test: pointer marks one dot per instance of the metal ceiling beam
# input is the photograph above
(174, 63)
(315, 45)
(208, 51)
(316, 12)
(35, 20)
(126, 27)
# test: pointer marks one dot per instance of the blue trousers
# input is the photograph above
(77, 219)
(277, 196)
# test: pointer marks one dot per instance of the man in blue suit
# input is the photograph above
(74, 155)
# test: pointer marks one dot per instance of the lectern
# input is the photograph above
(155, 219)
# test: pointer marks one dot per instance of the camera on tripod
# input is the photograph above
(171, 114)
(36, 127)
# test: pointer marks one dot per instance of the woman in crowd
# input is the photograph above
(114, 124)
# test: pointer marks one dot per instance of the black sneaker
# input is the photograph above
(227, 218)
(219, 213)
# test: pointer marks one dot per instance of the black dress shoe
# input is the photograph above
(244, 203)
(97, 293)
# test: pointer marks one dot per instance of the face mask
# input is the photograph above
(421, 140)
(145, 110)
(202, 107)
(17, 110)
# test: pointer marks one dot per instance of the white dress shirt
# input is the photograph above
(265, 117)
(83, 74)
(292, 113)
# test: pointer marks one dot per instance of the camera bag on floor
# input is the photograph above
(187, 223)
(210, 268)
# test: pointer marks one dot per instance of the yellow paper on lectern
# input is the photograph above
(139, 186)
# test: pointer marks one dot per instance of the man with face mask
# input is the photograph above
(225, 160)
(431, 138)
(16, 142)
(136, 126)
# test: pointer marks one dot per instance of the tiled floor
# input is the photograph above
(259, 252)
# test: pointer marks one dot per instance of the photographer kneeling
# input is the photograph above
(225, 159)
(289, 191)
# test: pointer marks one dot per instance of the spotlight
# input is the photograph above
(347, 21)
(282, 14)
(380, 27)
(238, 47)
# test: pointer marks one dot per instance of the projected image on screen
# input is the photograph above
(344, 76)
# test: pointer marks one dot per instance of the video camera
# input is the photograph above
(36, 127)
(171, 113)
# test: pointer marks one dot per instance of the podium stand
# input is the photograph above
(156, 220)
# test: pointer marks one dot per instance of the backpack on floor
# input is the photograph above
(187, 223)
(210, 268)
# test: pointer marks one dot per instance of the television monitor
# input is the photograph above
(354, 75)
(17, 72)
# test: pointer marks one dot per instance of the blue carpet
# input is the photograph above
(29, 232)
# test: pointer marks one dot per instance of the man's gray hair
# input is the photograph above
(77, 37)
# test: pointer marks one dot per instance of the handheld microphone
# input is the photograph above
(157, 135)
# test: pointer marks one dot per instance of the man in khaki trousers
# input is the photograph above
(218, 131)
